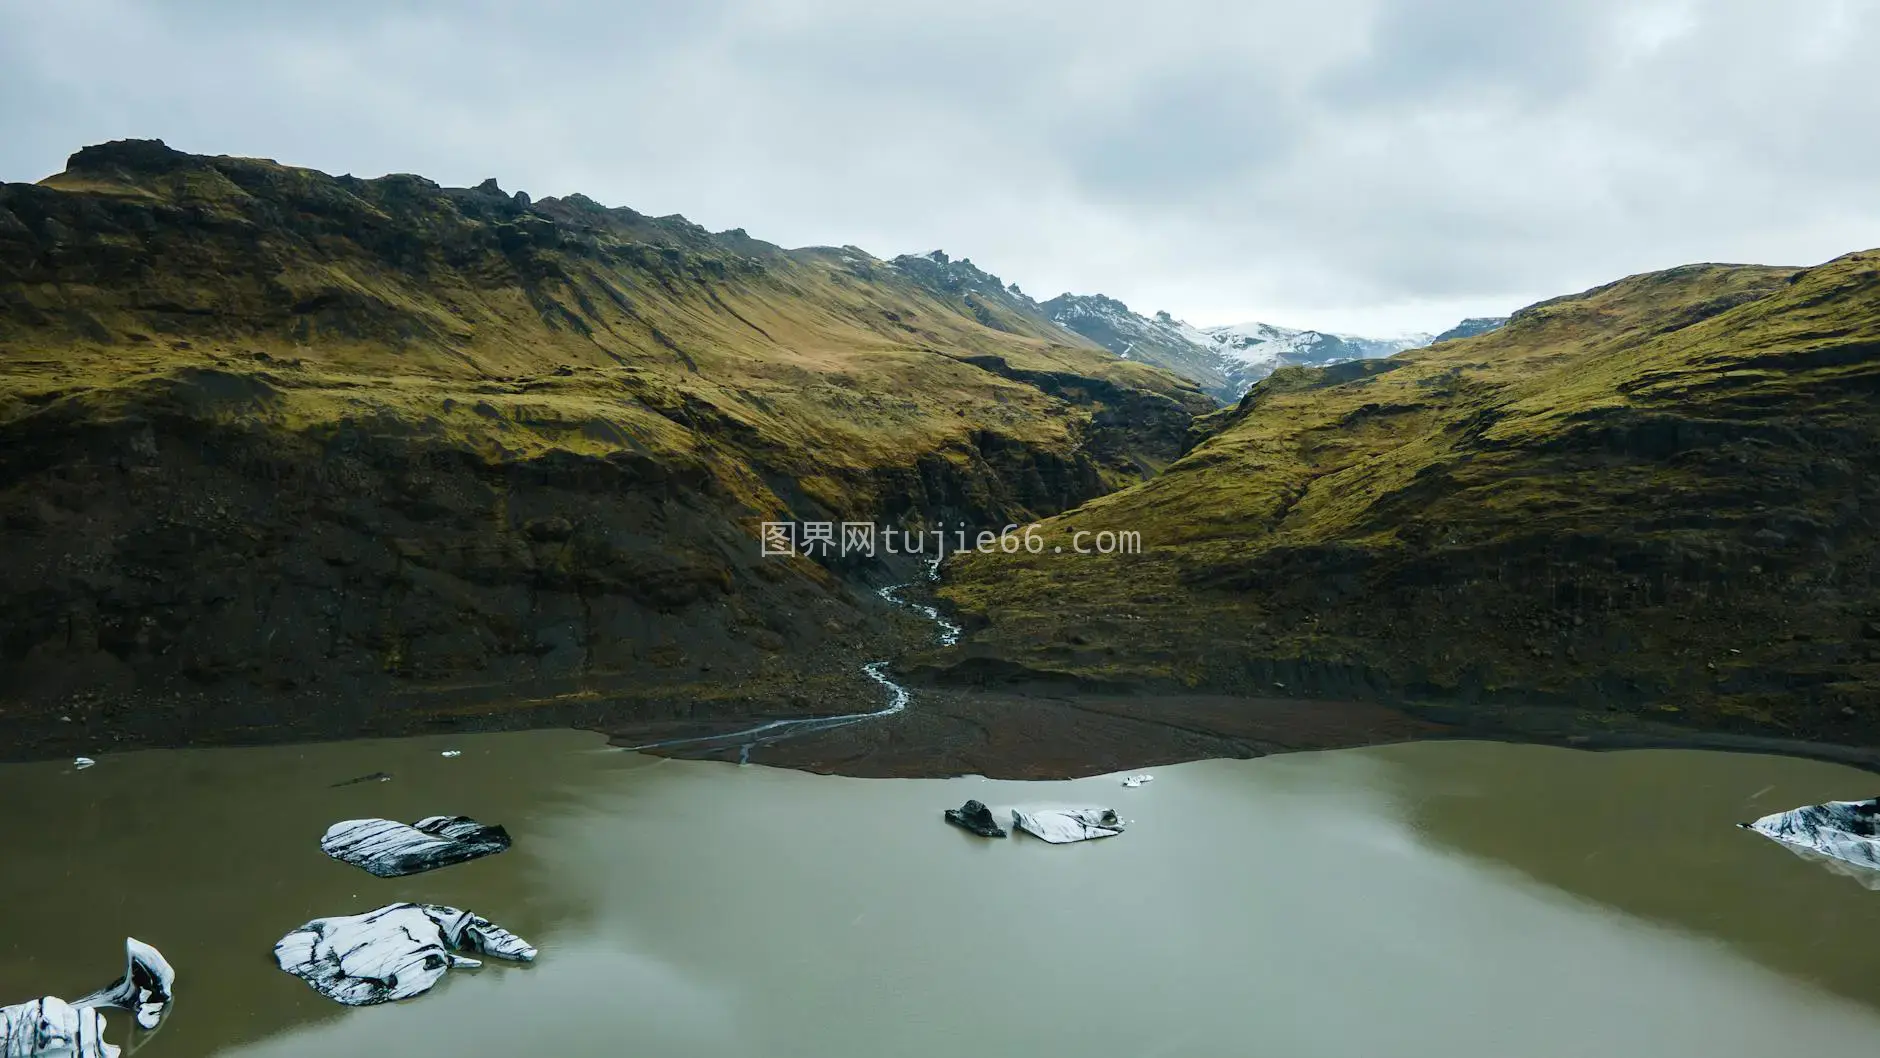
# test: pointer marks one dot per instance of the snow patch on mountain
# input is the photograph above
(1224, 360)
(1265, 347)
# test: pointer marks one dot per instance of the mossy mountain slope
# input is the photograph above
(1652, 501)
(271, 436)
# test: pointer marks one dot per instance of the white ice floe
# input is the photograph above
(1061, 826)
(396, 952)
(1137, 780)
(1841, 834)
(81, 763)
(391, 849)
(53, 1028)
(451, 753)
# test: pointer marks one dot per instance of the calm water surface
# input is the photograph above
(1450, 900)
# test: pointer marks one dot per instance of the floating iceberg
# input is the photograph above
(1837, 832)
(144, 990)
(81, 763)
(396, 952)
(977, 818)
(53, 1028)
(391, 850)
(1138, 780)
(1060, 826)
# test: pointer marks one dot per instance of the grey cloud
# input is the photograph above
(1423, 51)
(1333, 164)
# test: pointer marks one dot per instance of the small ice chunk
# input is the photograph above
(396, 952)
(1137, 780)
(391, 849)
(451, 753)
(1061, 826)
(144, 990)
(1843, 831)
(81, 763)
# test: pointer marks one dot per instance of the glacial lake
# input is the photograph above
(1448, 900)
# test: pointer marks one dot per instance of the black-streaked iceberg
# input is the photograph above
(396, 952)
(391, 849)
(1843, 835)
(1060, 826)
(53, 1028)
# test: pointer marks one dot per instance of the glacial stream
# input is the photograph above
(773, 731)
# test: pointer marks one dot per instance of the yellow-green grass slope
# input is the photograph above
(1656, 497)
(513, 329)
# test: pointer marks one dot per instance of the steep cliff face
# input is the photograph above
(1655, 499)
(281, 451)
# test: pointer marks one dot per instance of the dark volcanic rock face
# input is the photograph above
(977, 818)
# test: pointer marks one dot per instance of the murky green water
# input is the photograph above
(1451, 900)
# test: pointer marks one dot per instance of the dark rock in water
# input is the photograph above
(396, 952)
(391, 849)
(1061, 826)
(977, 818)
(52, 1028)
(377, 776)
(1837, 833)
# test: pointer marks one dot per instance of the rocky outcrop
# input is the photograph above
(977, 818)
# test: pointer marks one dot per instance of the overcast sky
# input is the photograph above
(1371, 166)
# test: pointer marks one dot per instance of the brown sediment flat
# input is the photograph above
(1009, 735)
(1058, 736)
